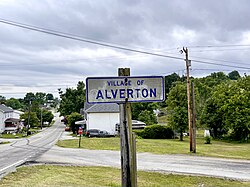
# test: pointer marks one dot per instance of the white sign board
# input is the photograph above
(121, 89)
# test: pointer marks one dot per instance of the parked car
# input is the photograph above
(97, 133)
(93, 133)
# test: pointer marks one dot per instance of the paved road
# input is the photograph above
(183, 164)
(28, 149)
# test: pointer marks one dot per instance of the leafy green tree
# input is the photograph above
(72, 100)
(47, 116)
(147, 117)
(234, 75)
(34, 121)
(177, 108)
(72, 118)
(29, 97)
(169, 80)
(2, 99)
(49, 96)
(40, 98)
(14, 103)
(228, 109)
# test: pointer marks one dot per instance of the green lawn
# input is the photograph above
(49, 175)
(20, 135)
(11, 136)
(160, 146)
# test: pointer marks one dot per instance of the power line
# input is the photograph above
(217, 64)
(78, 38)
(233, 62)
(219, 46)
(239, 49)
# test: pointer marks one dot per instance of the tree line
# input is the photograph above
(39, 105)
(222, 104)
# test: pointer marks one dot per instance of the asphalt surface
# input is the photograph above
(19, 151)
(40, 149)
(179, 164)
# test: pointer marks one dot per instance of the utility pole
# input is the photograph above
(28, 119)
(41, 117)
(127, 140)
(194, 118)
(188, 64)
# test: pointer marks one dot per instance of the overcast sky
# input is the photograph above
(214, 31)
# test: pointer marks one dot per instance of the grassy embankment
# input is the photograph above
(48, 175)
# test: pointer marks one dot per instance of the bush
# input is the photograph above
(207, 139)
(156, 132)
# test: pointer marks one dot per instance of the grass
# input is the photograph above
(20, 135)
(1, 142)
(49, 175)
(11, 136)
(160, 146)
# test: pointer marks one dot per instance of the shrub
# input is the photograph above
(207, 139)
(156, 132)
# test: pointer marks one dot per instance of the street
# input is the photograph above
(28, 149)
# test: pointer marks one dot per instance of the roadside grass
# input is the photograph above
(54, 175)
(2, 142)
(12, 136)
(167, 146)
(20, 135)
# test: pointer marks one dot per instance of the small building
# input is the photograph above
(5, 113)
(102, 116)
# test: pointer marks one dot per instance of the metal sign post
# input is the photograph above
(80, 133)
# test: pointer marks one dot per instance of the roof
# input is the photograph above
(103, 108)
(12, 120)
(4, 108)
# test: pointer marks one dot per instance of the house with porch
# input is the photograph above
(5, 113)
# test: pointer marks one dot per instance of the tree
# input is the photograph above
(144, 112)
(228, 110)
(47, 116)
(169, 80)
(72, 100)
(34, 121)
(72, 118)
(40, 98)
(234, 75)
(177, 108)
(49, 96)
(14, 103)
(147, 117)
(2, 99)
(29, 97)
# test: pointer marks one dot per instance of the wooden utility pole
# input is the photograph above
(194, 119)
(128, 156)
(188, 63)
(28, 119)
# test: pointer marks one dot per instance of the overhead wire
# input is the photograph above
(79, 38)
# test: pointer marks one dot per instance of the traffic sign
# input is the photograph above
(121, 89)
(80, 131)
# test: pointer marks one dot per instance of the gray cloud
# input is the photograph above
(36, 61)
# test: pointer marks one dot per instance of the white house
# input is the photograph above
(17, 113)
(102, 116)
(5, 113)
